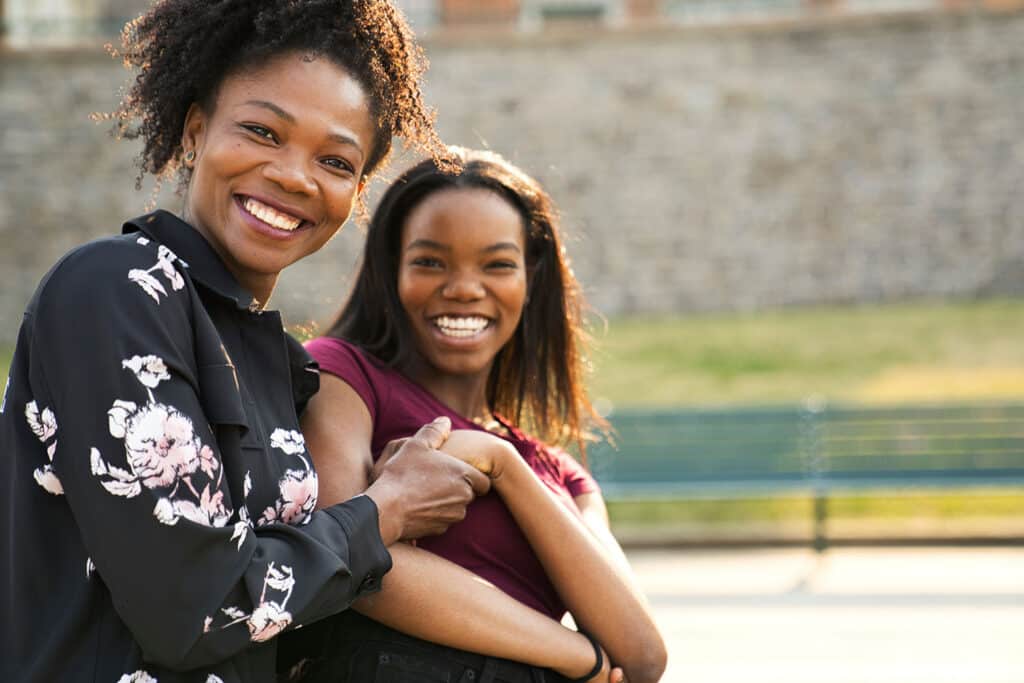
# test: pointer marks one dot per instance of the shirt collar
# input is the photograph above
(204, 265)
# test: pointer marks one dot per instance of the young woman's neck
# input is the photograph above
(465, 394)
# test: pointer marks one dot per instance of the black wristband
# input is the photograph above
(598, 656)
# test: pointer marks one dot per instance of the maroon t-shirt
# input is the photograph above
(487, 542)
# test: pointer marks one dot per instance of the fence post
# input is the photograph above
(812, 452)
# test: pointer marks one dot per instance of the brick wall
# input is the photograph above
(697, 169)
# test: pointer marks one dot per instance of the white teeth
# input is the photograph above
(270, 216)
(460, 327)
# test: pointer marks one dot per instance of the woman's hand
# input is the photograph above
(419, 490)
(486, 452)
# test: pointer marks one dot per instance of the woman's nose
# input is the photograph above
(291, 175)
(463, 288)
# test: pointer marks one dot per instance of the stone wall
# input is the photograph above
(866, 159)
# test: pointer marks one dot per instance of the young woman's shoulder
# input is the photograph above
(369, 377)
(340, 356)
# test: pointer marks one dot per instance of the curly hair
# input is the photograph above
(184, 49)
(538, 379)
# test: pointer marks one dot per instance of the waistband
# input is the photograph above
(351, 648)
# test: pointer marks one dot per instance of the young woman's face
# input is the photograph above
(278, 164)
(462, 278)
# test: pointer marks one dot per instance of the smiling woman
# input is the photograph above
(465, 306)
(277, 163)
(163, 520)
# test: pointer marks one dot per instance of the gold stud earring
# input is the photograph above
(190, 156)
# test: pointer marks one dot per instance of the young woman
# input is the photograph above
(159, 497)
(465, 306)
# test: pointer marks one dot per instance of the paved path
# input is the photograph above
(944, 615)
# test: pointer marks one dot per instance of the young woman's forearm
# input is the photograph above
(590, 578)
(431, 598)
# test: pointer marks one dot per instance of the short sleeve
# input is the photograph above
(347, 362)
(575, 477)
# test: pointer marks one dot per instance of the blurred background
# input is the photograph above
(801, 226)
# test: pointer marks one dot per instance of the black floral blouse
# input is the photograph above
(158, 520)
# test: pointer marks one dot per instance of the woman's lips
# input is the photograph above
(273, 217)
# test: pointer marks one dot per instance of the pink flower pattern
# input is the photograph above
(270, 616)
(163, 453)
(298, 497)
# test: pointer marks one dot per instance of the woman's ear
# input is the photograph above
(194, 133)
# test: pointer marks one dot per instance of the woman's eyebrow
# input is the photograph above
(427, 244)
(502, 246)
(274, 108)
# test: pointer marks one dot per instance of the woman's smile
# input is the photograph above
(268, 219)
(462, 328)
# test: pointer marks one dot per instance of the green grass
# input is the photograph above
(993, 514)
(908, 352)
(983, 503)
(6, 352)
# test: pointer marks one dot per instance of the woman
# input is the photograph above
(465, 306)
(160, 499)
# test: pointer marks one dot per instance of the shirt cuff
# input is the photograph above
(368, 558)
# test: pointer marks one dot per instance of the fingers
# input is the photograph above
(478, 481)
(434, 434)
(389, 451)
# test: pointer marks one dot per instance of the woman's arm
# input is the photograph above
(425, 595)
(579, 554)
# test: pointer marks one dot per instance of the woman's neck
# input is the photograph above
(260, 286)
(464, 394)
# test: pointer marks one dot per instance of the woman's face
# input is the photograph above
(462, 278)
(278, 164)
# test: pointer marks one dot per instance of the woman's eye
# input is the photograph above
(260, 131)
(502, 265)
(338, 164)
(427, 262)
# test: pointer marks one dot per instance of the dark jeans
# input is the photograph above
(351, 648)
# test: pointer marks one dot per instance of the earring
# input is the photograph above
(190, 156)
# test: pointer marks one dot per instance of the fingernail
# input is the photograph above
(443, 420)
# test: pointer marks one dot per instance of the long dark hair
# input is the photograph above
(538, 377)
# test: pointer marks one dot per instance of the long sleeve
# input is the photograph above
(170, 499)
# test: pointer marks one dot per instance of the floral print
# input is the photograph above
(270, 616)
(297, 501)
(149, 370)
(290, 441)
(165, 264)
(160, 441)
(139, 676)
(243, 524)
(164, 454)
(144, 677)
(44, 425)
